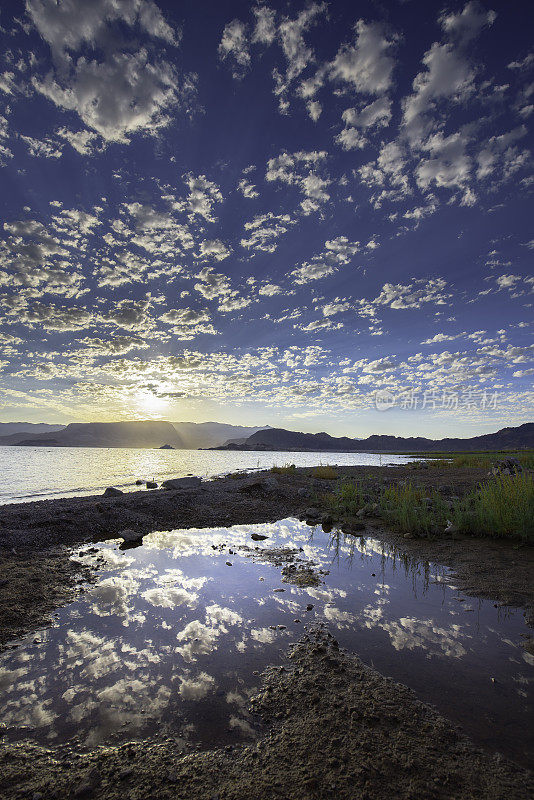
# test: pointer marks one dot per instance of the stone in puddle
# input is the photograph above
(131, 536)
(228, 563)
(258, 537)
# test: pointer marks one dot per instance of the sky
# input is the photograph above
(309, 215)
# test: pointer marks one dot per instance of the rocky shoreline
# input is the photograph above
(337, 728)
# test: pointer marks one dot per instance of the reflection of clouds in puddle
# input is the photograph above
(409, 633)
(218, 615)
(170, 597)
(200, 638)
(196, 688)
(242, 725)
(111, 595)
(326, 595)
(342, 619)
(263, 635)
(115, 678)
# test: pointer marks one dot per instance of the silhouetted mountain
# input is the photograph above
(18, 430)
(107, 434)
(211, 434)
(281, 439)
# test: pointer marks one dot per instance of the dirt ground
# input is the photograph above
(335, 727)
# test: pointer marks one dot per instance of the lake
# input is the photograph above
(42, 473)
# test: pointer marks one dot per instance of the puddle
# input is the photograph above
(171, 639)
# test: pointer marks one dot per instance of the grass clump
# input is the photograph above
(348, 499)
(500, 507)
(414, 510)
(326, 473)
(287, 469)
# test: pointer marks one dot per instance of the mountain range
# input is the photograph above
(220, 436)
(281, 439)
(146, 433)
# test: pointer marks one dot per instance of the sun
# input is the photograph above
(149, 404)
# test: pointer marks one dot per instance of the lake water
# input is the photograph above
(171, 639)
(40, 473)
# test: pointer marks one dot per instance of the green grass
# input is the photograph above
(325, 472)
(348, 499)
(500, 507)
(410, 509)
(287, 469)
(483, 460)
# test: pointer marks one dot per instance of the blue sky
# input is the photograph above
(315, 216)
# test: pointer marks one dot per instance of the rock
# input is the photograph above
(228, 563)
(139, 482)
(151, 485)
(258, 537)
(270, 484)
(309, 607)
(90, 783)
(328, 520)
(352, 527)
(130, 535)
(509, 466)
(182, 483)
(112, 492)
(311, 513)
(303, 492)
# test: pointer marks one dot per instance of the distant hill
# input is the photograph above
(104, 434)
(281, 439)
(210, 434)
(25, 428)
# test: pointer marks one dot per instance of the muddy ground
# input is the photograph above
(337, 728)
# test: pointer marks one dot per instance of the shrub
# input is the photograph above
(413, 510)
(287, 469)
(502, 506)
(348, 499)
(326, 473)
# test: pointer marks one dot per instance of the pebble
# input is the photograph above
(228, 563)
(309, 607)
(279, 590)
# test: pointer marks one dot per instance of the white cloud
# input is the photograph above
(265, 230)
(337, 252)
(123, 94)
(413, 295)
(234, 45)
(469, 22)
(247, 189)
(367, 65)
